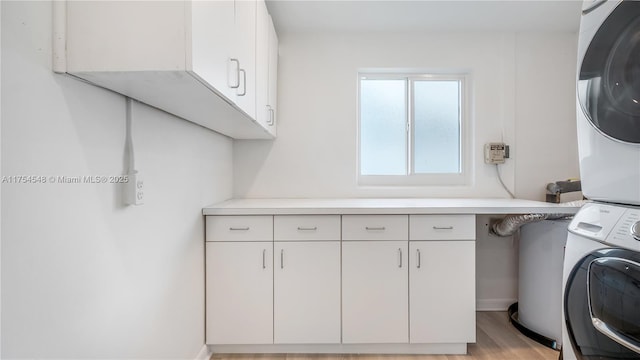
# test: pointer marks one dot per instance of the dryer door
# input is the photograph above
(609, 80)
(614, 299)
(602, 305)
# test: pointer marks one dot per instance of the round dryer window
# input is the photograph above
(610, 73)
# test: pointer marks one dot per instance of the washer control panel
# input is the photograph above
(615, 225)
(626, 233)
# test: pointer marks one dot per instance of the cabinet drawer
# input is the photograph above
(375, 227)
(442, 227)
(239, 228)
(306, 227)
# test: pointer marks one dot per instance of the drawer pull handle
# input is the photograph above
(400, 257)
(443, 228)
(281, 258)
(264, 258)
(418, 262)
(307, 228)
(244, 82)
(239, 228)
(372, 228)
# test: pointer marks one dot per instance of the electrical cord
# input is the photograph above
(502, 183)
(131, 158)
(134, 187)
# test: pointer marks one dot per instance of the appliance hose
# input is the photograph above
(511, 223)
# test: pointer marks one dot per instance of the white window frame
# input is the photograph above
(462, 178)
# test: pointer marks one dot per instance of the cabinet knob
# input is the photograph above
(635, 230)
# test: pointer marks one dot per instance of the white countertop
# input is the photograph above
(385, 206)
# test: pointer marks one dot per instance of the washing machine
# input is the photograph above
(608, 101)
(601, 284)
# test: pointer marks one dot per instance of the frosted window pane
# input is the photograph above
(437, 127)
(383, 136)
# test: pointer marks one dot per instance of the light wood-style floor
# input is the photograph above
(496, 338)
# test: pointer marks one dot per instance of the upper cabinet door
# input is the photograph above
(125, 36)
(263, 113)
(212, 37)
(273, 77)
(266, 69)
(245, 53)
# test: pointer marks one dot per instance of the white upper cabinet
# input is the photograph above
(194, 59)
(266, 69)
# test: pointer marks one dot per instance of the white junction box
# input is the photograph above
(495, 153)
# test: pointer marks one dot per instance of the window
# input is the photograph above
(412, 129)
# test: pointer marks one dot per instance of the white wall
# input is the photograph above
(522, 84)
(84, 276)
(546, 136)
(0, 190)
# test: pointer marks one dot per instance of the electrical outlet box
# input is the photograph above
(134, 192)
(495, 153)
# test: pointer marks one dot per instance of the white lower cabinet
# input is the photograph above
(239, 292)
(307, 292)
(375, 292)
(442, 292)
(351, 283)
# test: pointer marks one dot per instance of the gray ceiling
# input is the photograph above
(425, 15)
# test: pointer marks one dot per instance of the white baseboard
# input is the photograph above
(204, 354)
(454, 349)
(494, 304)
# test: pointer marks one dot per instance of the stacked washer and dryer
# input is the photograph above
(601, 271)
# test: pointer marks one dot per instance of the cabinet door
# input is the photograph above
(125, 36)
(263, 113)
(375, 292)
(239, 292)
(245, 52)
(273, 76)
(212, 29)
(442, 295)
(307, 292)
